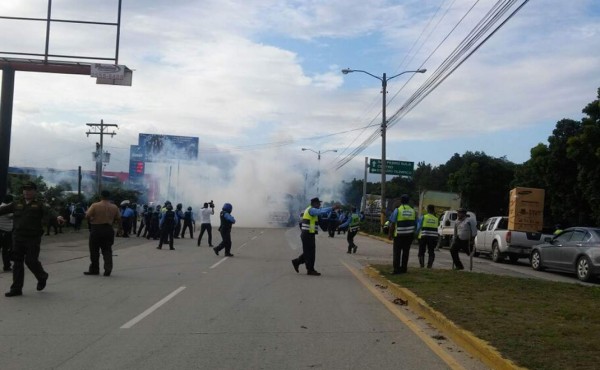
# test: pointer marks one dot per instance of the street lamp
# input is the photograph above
(384, 81)
(318, 153)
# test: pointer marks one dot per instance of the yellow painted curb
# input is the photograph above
(478, 348)
(382, 239)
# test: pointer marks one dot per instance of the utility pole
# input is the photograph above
(100, 129)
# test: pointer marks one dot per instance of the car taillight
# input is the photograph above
(508, 236)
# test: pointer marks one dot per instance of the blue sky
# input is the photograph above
(255, 72)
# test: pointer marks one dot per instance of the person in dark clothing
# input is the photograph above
(168, 220)
(53, 225)
(102, 216)
(154, 230)
(28, 220)
(179, 213)
(188, 222)
(79, 214)
(227, 222)
(333, 223)
(402, 228)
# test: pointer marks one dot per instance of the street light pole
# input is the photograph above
(318, 153)
(384, 81)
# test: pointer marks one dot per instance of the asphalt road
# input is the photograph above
(191, 309)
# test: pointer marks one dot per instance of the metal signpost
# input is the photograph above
(46, 61)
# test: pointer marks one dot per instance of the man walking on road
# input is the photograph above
(30, 216)
(227, 222)
(309, 225)
(205, 225)
(353, 226)
(464, 230)
(402, 224)
(102, 216)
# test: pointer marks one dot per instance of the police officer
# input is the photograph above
(179, 213)
(154, 230)
(188, 222)
(167, 223)
(427, 231)
(402, 226)
(353, 226)
(127, 219)
(308, 225)
(28, 220)
(227, 221)
(102, 216)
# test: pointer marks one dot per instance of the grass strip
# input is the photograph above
(535, 323)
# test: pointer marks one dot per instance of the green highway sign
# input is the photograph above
(399, 168)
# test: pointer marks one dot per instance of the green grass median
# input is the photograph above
(537, 324)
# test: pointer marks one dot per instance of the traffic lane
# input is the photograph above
(452, 354)
(75, 311)
(254, 311)
(373, 250)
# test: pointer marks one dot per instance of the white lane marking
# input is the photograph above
(254, 237)
(242, 246)
(218, 263)
(141, 316)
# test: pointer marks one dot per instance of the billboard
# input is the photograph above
(162, 148)
(136, 163)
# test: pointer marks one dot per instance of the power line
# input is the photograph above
(450, 64)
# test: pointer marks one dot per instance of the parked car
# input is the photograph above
(574, 250)
(494, 238)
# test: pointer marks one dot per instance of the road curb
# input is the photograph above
(478, 348)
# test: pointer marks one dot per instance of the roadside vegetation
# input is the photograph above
(566, 167)
(537, 324)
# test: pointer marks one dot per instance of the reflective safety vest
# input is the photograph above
(405, 222)
(309, 223)
(354, 223)
(429, 226)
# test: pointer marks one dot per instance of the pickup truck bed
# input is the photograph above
(495, 239)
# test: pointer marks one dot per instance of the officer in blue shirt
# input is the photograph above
(353, 226)
(227, 221)
(167, 223)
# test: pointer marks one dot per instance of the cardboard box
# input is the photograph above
(526, 209)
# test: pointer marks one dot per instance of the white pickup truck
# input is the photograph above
(495, 239)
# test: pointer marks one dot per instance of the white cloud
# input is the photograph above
(249, 72)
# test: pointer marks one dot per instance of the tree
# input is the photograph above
(483, 183)
(583, 149)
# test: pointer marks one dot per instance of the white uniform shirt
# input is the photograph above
(205, 215)
(465, 229)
